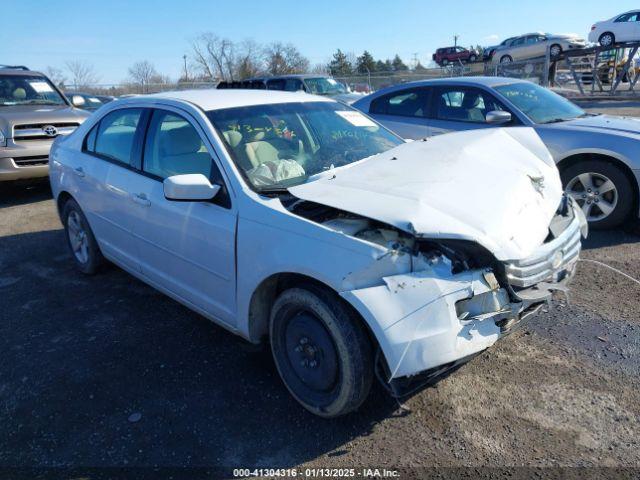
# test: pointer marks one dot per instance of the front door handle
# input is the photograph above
(79, 171)
(141, 199)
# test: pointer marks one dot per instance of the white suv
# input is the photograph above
(296, 219)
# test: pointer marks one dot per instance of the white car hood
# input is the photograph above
(480, 185)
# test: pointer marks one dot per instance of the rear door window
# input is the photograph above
(412, 102)
(113, 136)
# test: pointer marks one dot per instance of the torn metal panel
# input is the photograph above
(465, 185)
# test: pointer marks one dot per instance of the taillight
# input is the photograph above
(593, 27)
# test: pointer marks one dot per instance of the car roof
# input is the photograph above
(19, 71)
(213, 99)
(485, 81)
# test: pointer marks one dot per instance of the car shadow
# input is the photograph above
(20, 193)
(82, 355)
(610, 238)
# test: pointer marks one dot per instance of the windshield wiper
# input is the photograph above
(273, 190)
(555, 120)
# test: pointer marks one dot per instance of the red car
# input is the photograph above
(445, 56)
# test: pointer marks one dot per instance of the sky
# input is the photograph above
(114, 34)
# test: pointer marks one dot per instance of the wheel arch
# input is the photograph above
(612, 159)
(63, 198)
(268, 290)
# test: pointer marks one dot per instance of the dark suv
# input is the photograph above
(33, 112)
(445, 56)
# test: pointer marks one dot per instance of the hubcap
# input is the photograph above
(606, 40)
(311, 352)
(505, 60)
(596, 194)
(555, 51)
(78, 237)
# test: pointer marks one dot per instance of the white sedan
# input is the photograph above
(621, 28)
(297, 219)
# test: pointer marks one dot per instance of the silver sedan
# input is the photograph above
(598, 155)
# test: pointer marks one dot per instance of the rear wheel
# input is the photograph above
(82, 243)
(607, 39)
(322, 352)
(602, 190)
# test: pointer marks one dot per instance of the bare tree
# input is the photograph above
(142, 73)
(249, 60)
(215, 56)
(284, 58)
(82, 73)
(56, 75)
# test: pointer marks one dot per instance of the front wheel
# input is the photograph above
(602, 190)
(473, 58)
(506, 59)
(555, 50)
(80, 239)
(322, 352)
(445, 62)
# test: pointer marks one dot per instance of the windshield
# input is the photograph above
(27, 90)
(324, 86)
(282, 145)
(540, 104)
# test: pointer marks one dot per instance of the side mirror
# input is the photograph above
(498, 117)
(192, 187)
(77, 101)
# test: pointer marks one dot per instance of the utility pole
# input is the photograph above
(415, 59)
(186, 73)
(455, 40)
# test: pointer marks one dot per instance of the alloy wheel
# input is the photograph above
(596, 195)
(78, 237)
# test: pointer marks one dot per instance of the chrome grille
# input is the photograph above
(549, 261)
(36, 131)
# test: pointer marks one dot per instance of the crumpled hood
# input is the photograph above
(480, 185)
(605, 122)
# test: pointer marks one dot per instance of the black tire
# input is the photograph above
(607, 39)
(624, 188)
(94, 259)
(558, 50)
(506, 59)
(311, 324)
(445, 62)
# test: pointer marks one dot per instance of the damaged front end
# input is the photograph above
(455, 299)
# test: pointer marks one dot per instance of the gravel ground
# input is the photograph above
(106, 372)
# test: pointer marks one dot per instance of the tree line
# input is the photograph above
(214, 58)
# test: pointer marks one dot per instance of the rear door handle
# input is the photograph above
(79, 171)
(141, 199)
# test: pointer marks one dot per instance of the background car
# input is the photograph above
(91, 102)
(309, 83)
(535, 44)
(597, 155)
(621, 28)
(33, 113)
(446, 55)
(488, 52)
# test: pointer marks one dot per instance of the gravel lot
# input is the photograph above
(80, 355)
